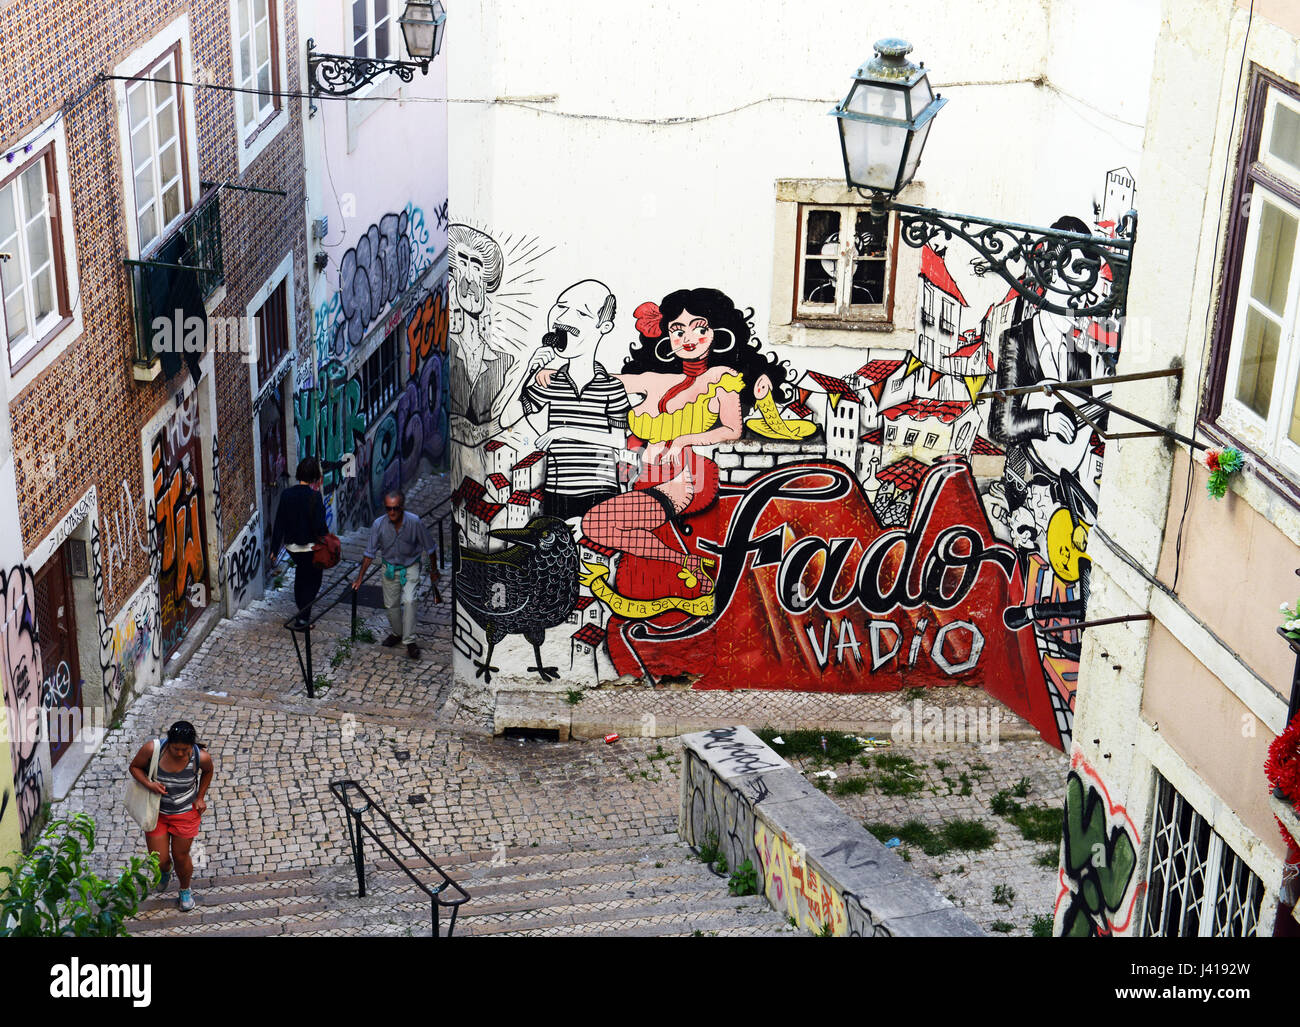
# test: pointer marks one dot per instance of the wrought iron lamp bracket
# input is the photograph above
(330, 74)
(1052, 269)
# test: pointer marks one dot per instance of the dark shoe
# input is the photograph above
(413, 651)
(393, 640)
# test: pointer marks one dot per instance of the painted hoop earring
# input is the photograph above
(729, 346)
(659, 356)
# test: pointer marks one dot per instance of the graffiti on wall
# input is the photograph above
(179, 525)
(20, 666)
(387, 259)
(364, 458)
(748, 524)
(1098, 886)
(244, 565)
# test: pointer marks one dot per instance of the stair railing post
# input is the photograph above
(354, 614)
(434, 902)
(311, 680)
(358, 857)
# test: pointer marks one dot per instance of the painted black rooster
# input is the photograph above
(522, 590)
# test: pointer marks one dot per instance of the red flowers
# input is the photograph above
(648, 318)
(1212, 459)
(1282, 768)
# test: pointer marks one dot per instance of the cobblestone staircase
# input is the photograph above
(654, 888)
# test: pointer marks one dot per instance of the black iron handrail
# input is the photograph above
(295, 622)
(340, 787)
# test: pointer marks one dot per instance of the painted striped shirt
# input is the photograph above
(577, 468)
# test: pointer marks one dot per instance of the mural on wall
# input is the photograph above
(747, 524)
(179, 528)
(1098, 886)
(21, 670)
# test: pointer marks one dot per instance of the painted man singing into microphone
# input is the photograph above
(586, 407)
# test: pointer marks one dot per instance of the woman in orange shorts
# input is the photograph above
(184, 773)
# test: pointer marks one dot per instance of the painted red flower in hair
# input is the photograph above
(648, 319)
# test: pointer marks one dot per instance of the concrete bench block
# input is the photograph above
(814, 863)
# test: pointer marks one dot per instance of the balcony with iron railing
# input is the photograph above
(186, 259)
(927, 318)
(947, 326)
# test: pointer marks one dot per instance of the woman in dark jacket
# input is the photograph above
(299, 522)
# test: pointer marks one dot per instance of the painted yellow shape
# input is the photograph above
(795, 888)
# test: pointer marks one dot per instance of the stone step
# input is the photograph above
(625, 887)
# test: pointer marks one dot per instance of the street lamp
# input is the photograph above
(884, 123)
(423, 23)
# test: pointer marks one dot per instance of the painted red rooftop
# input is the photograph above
(834, 385)
(969, 350)
(498, 480)
(469, 489)
(875, 370)
(906, 474)
(935, 271)
(872, 438)
(494, 445)
(799, 409)
(529, 460)
(520, 498)
(583, 602)
(946, 410)
(484, 511)
(986, 447)
(590, 635)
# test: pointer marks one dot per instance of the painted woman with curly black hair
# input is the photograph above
(699, 369)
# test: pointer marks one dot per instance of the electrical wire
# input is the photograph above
(1209, 309)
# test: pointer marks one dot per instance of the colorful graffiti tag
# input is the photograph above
(179, 523)
(745, 524)
(364, 458)
(20, 667)
(1097, 880)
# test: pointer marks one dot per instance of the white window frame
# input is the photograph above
(1219, 865)
(135, 65)
(394, 47)
(1268, 435)
(45, 345)
(270, 118)
(841, 311)
(43, 217)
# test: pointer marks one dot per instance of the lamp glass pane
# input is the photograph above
(919, 96)
(873, 153)
(878, 100)
(914, 152)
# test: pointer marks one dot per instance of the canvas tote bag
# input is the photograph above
(141, 803)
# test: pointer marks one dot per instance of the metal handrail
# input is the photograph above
(340, 787)
(295, 624)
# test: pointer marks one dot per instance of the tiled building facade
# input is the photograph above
(139, 479)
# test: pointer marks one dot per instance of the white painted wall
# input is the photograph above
(371, 154)
(641, 144)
